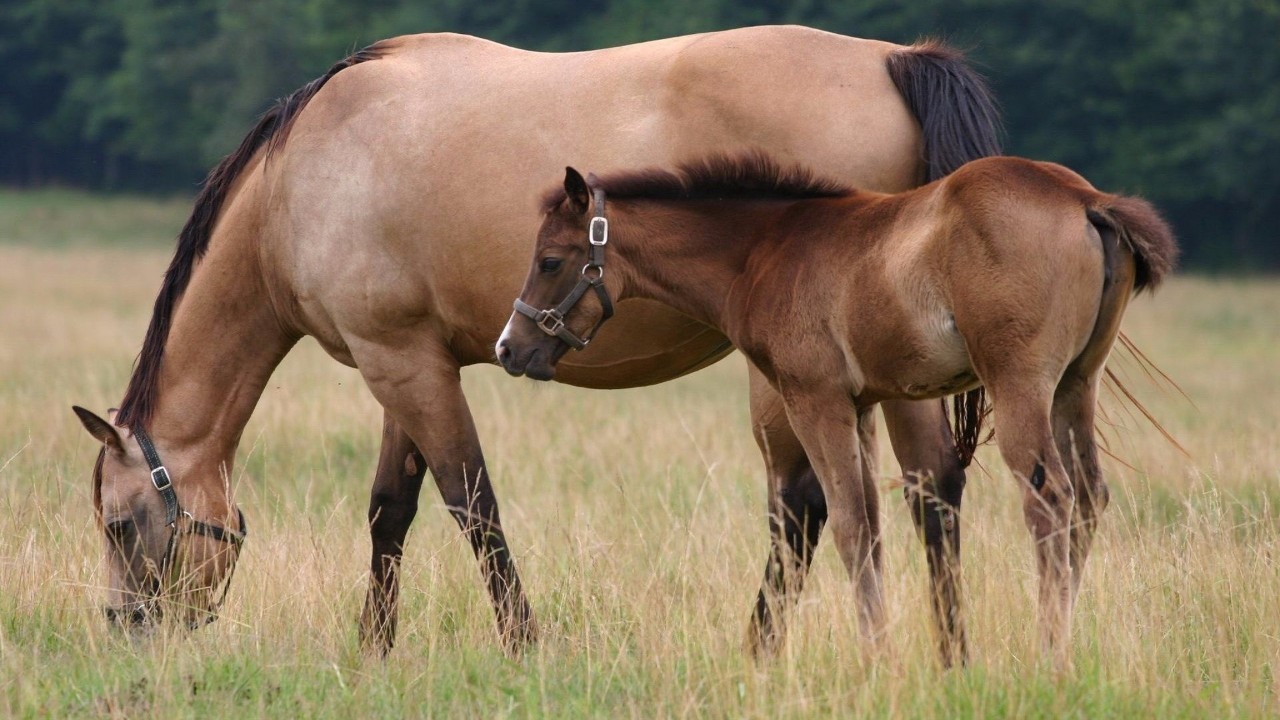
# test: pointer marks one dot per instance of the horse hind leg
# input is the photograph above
(797, 512)
(935, 480)
(1074, 404)
(393, 503)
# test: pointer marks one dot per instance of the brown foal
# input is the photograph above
(1009, 273)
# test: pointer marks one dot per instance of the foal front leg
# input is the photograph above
(826, 422)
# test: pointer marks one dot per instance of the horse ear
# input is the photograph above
(575, 189)
(104, 431)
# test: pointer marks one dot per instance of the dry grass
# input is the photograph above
(641, 549)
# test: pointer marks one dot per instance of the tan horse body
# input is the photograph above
(351, 214)
(1009, 273)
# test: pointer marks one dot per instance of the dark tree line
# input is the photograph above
(1177, 100)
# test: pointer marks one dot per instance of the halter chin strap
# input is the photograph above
(551, 320)
(163, 484)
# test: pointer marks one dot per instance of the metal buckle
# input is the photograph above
(164, 473)
(602, 223)
(554, 318)
(599, 275)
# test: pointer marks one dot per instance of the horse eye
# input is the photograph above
(550, 264)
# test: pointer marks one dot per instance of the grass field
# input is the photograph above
(641, 549)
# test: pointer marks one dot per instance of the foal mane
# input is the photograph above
(271, 130)
(750, 175)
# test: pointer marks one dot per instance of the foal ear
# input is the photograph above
(104, 431)
(575, 189)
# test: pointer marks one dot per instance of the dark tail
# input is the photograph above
(960, 121)
(1139, 226)
(271, 130)
(957, 112)
(1138, 251)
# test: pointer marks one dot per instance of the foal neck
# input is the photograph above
(688, 254)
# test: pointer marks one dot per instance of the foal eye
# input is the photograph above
(550, 264)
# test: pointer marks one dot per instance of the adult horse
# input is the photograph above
(350, 213)
(1009, 273)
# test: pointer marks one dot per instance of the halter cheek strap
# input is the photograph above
(551, 320)
(163, 483)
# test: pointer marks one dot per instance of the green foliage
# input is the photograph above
(1178, 101)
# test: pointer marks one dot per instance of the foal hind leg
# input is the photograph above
(1073, 408)
(1025, 437)
(797, 512)
(393, 503)
(419, 385)
(935, 479)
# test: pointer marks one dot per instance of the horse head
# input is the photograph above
(166, 557)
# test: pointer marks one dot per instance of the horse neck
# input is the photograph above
(687, 255)
(224, 342)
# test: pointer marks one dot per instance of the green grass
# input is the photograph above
(641, 550)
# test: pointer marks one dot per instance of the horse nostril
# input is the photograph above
(504, 352)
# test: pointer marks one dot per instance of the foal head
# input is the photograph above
(564, 301)
(163, 557)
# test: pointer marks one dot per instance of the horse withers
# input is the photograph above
(1009, 273)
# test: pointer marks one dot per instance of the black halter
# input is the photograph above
(173, 511)
(551, 320)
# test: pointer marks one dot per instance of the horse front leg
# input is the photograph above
(923, 444)
(393, 503)
(797, 511)
(419, 385)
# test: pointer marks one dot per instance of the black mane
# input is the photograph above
(271, 130)
(752, 175)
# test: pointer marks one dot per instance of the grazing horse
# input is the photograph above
(350, 214)
(1008, 273)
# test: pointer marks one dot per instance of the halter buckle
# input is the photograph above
(602, 223)
(556, 322)
(160, 479)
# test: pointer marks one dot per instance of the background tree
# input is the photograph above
(1178, 101)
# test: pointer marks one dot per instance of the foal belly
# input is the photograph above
(932, 364)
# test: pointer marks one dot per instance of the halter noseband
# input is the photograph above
(551, 320)
(163, 484)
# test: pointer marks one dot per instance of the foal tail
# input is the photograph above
(960, 121)
(1140, 231)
